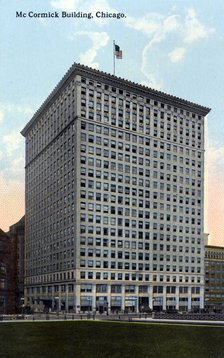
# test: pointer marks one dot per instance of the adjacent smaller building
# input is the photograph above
(12, 268)
(8, 276)
(17, 233)
(214, 278)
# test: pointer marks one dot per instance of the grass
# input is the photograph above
(109, 340)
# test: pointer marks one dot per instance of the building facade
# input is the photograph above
(214, 278)
(114, 198)
(8, 276)
(17, 233)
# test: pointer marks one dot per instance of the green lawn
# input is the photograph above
(89, 339)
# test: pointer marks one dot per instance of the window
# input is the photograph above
(115, 288)
(101, 288)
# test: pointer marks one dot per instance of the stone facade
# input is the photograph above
(114, 198)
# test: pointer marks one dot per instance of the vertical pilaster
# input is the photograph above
(109, 299)
(151, 297)
(177, 297)
(123, 298)
(52, 298)
(94, 297)
(189, 299)
(77, 297)
(202, 295)
(66, 298)
(59, 298)
(164, 298)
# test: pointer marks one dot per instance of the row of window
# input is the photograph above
(145, 245)
(134, 126)
(131, 265)
(97, 89)
(140, 277)
(139, 173)
(128, 102)
(101, 261)
(135, 202)
(132, 245)
(37, 269)
(102, 288)
(214, 255)
(90, 161)
(138, 113)
(134, 192)
(135, 154)
(111, 135)
(119, 232)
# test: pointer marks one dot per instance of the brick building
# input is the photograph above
(8, 274)
(214, 278)
(17, 233)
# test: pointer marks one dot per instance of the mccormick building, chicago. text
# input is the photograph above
(114, 198)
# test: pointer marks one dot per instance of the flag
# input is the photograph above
(117, 52)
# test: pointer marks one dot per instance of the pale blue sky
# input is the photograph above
(175, 46)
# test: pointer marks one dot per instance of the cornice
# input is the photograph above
(144, 90)
(213, 247)
(78, 69)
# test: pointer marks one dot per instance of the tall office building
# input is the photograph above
(114, 197)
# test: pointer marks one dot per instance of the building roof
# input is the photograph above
(18, 223)
(78, 69)
(213, 247)
(3, 235)
(17, 226)
(2, 232)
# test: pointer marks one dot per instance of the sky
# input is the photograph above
(176, 46)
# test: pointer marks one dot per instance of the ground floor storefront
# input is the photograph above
(113, 298)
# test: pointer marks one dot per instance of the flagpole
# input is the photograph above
(114, 56)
